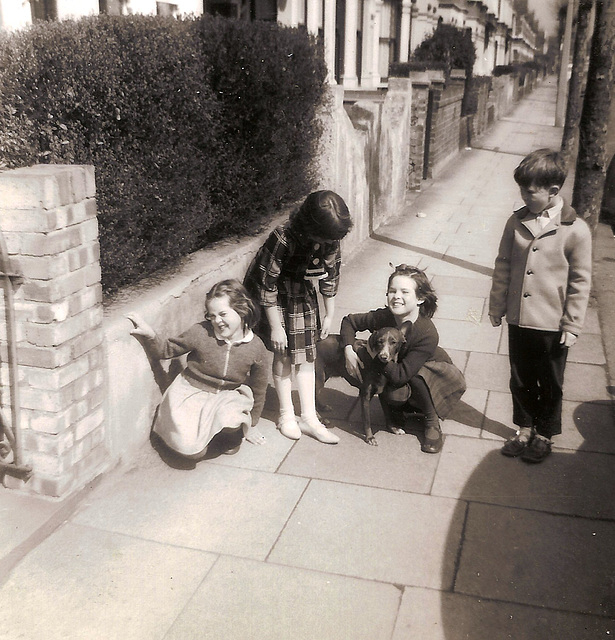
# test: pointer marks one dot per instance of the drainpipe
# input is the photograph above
(12, 432)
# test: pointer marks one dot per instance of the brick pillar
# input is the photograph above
(48, 217)
(420, 95)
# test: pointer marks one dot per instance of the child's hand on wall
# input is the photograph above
(140, 327)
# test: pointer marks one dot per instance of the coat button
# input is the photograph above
(534, 248)
(527, 295)
(529, 272)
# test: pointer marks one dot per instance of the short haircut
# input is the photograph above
(542, 168)
(323, 214)
(239, 300)
(424, 290)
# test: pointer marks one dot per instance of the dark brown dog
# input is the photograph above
(382, 346)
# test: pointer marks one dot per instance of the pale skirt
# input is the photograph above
(188, 417)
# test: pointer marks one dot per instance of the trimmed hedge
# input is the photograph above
(450, 46)
(198, 128)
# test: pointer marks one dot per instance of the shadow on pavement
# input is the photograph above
(535, 557)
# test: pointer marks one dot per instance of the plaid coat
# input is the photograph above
(282, 275)
(419, 356)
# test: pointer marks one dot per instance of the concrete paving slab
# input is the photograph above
(478, 337)
(84, 583)
(252, 601)
(588, 349)
(499, 407)
(468, 419)
(459, 358)
(21, 516)
(473, 253)
(374, 534)
(589, 426)
(488, 371)
(436, 615)
(469, 308)
(451, 266)
(396, 463)
(559, 562)
(592, 322)
(585, 382)
(567, 482)
(478, 285)
(211, 508)
(266, 457)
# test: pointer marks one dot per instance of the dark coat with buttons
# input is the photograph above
(542, 279)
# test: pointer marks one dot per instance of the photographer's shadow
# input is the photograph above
(535, 557)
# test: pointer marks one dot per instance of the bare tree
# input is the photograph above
(591, 159)
(578, 79)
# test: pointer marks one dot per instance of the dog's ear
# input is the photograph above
(371, 342)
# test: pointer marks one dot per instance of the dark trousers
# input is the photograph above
(537, 363)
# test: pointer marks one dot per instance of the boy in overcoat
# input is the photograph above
(541, 283)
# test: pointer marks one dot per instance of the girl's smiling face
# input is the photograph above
(402, 299)
(226, 321)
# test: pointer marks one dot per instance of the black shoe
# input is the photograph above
(538, 450)
(433, 440)
(515, 446)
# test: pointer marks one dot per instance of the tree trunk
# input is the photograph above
(578, 80)
(591, 159)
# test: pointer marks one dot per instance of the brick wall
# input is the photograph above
(445, 104)
(48, 218)
(420, 98)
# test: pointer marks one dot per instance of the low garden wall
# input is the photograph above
(89, 391)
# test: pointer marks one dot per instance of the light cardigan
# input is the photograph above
(215, 364)
(542, 278)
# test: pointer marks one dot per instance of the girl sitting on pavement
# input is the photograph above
(282, 278)
(424, 376)
(224, 383)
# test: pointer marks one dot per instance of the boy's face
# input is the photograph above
(537, 199)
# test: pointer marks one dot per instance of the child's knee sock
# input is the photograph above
(284, 388)
(525, 434)
(306, 386)
(310, 424)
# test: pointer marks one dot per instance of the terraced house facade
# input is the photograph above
(361, 37)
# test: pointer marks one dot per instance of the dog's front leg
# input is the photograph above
(388, 417)
(366, 397)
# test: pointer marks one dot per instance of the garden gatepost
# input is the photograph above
(48, 219)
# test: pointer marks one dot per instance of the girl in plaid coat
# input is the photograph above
(282, 278)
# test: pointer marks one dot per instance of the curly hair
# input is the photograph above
(239, 300)
(424, 290)
(323, 214)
